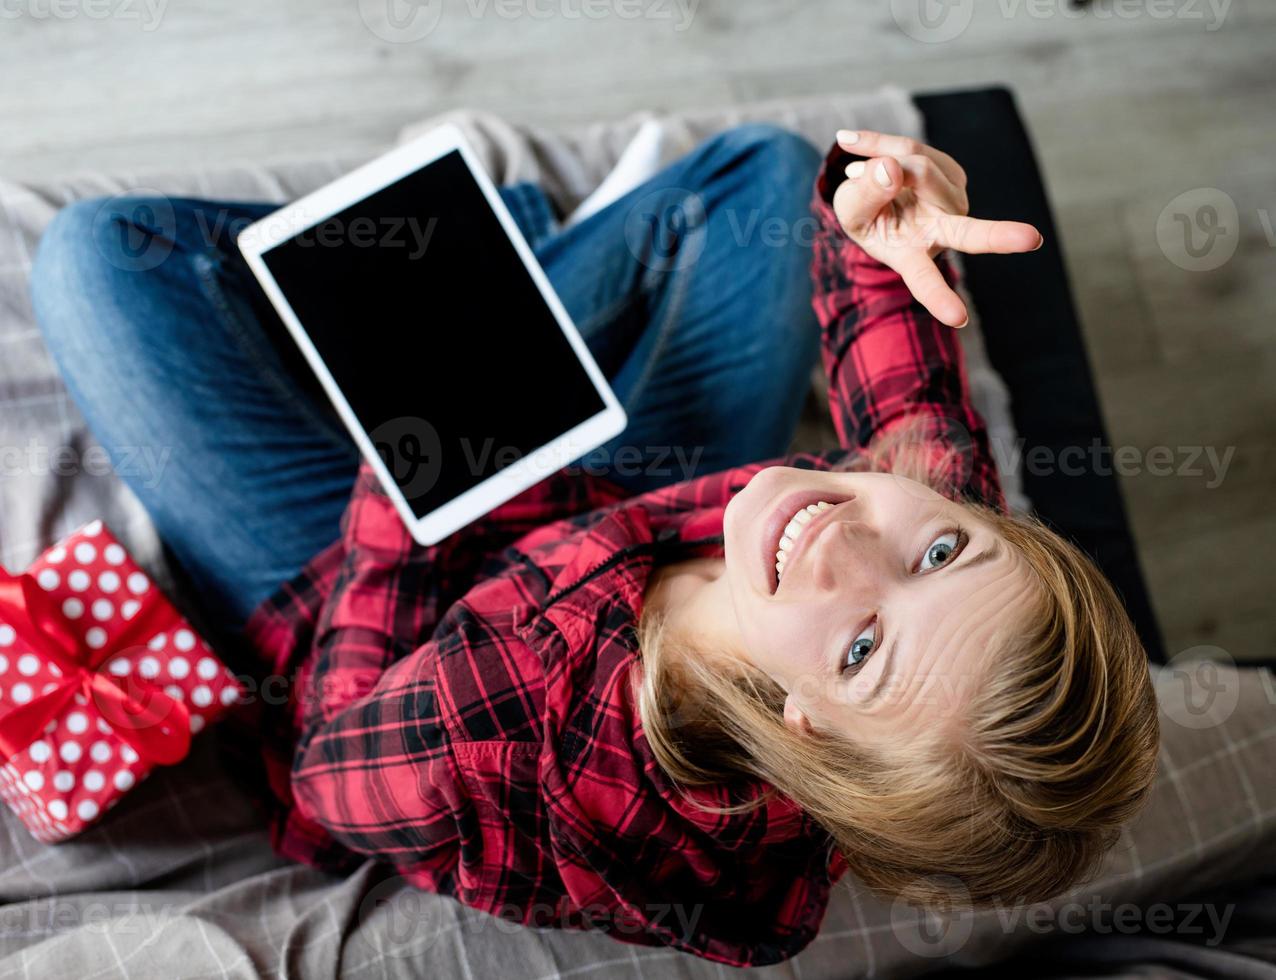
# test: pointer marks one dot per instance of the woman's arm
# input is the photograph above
(884, 294)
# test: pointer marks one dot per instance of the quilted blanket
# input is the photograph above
(180, 879)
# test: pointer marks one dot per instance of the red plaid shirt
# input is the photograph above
(463, 713)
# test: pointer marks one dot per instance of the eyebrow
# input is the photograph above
(990, 553)
(884, 678)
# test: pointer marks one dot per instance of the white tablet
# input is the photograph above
(434, 331)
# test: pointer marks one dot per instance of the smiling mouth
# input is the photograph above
(790, 524)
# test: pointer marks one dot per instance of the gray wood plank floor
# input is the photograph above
(1132, 104)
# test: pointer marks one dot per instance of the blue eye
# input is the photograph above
(861, 647)
(941, 550)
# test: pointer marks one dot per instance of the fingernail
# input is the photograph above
(856, 170)
(1040, 241)
(883, 175)
(847, 136)
(964, 322)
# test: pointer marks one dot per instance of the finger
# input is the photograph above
(866, 142)
(869, 187)
(930, 182)
(977, 236)
(927, 284)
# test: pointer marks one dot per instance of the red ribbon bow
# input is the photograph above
(154, 724)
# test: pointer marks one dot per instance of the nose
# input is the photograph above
(847, 558)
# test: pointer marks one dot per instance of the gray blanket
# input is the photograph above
(179, 879)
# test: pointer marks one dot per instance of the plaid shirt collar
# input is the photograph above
(611, 567)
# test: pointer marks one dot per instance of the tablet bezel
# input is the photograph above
(289, 221)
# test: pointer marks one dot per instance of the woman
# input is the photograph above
(675, 711)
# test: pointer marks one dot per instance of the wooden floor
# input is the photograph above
(1131, 106)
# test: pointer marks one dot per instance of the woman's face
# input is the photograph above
(881, 615)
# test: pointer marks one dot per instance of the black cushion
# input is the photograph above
(1034, 340)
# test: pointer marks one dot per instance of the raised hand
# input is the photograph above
(906, 203)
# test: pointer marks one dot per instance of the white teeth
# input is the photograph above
(793, 530)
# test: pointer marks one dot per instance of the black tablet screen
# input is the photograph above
(435, 332)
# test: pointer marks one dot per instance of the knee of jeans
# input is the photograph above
(65, 245)
(91, 256)
(777, 169)
(782, 157)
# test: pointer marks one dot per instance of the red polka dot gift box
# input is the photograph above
(101, 680)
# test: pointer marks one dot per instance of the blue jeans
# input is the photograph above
(693, 293)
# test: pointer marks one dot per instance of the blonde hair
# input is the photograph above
(1057, 749)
